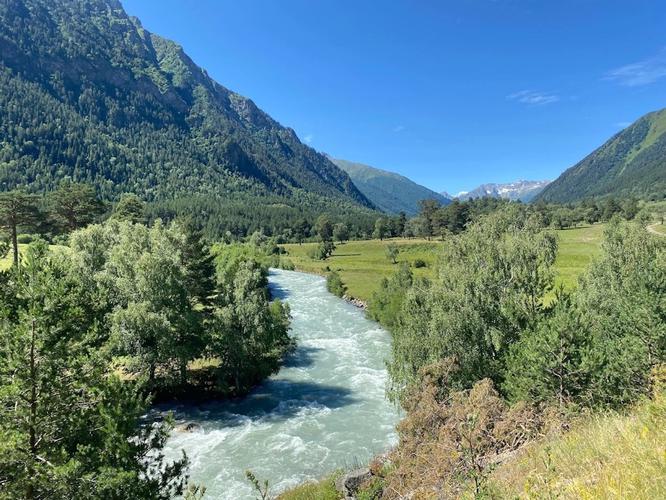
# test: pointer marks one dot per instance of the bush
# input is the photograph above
(322, 251)
(335, 285)
(287, 264)
(419, 263)
(25, 238)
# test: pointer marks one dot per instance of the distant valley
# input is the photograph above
(388, 191)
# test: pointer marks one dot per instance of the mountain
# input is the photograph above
(519, 190)
(87, 93)
(388, 191)
(631, 163)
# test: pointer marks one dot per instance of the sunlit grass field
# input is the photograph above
(659, 228)
(363, 264)
(605, 456)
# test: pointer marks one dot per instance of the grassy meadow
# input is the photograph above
(363, 264)
(612, 455)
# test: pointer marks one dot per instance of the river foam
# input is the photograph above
(326, 408)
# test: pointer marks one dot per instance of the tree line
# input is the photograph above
(93, 331)
(491, 343)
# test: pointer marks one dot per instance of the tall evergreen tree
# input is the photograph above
(75, 205)
(69, 428)
(17, 209)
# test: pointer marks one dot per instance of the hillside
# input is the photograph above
(519, 190)
(631, 163)
(87, 93)
(390, 192)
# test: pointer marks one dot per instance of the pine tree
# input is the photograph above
(75, 205)
(69, 428)
(17, 209)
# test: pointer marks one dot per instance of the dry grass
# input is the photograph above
(322, 490)
(606, 456)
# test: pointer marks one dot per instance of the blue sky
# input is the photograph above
(449, 93)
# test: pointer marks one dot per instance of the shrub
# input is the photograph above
(419, 263)
(25, 238)
(449, 442)
(335, 285)
(287, 264)
(322, 251)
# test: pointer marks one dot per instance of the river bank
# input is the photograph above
(326, 408)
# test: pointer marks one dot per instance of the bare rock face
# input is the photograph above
(350, 483)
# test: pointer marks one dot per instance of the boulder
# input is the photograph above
(349, 483)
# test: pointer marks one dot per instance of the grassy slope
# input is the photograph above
(6, 262)
(362, 264)
(605, 456)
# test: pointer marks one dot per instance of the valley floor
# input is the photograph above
(363, 264)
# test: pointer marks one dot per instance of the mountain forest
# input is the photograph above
(195, 303)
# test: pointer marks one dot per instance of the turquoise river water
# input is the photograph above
(325, 409)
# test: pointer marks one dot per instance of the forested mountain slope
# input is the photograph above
(87, 93)
(631, 163)
(390, 192)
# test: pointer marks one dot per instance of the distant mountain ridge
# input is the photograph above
(519, 190)
(631, 163)
(88, 94)
(390, 192)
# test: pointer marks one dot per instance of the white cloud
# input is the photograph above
(308, 138)
(533, 97)
(640, 73)
(398, 128)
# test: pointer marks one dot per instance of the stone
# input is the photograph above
(349, 483)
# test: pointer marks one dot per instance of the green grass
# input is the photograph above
(363, 264)
(660, 228)
(576, 249)
(321, 490)
(6, 262)
(605, 456)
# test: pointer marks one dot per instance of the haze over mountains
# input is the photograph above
(390, 192)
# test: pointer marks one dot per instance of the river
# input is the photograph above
(325, 409)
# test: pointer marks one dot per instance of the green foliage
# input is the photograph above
(130, 208)
(490, 286)
(321, 251)
(392, 252)
(261, 488)
(249, 333)
(335, 285)
(74, 205)
(547, 362)
(340, 232)
(386, 304)
(629, 164)
(381, 230)
(388, 191)
(69, 428)
(89, 95)
(419, 263)
(17, 210)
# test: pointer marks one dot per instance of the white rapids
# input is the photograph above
(324, 410)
